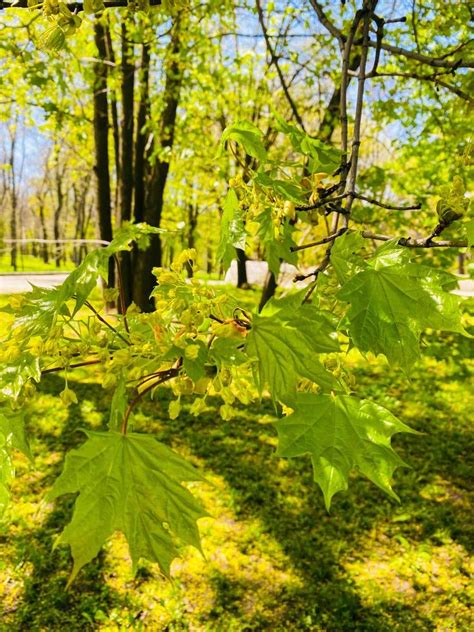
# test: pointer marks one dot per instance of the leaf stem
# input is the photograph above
(106, 323)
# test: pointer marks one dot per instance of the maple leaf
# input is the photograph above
(129, 483)
(232, 230)
(393, 300)
(341, 433)
(12, 436)
(287, 340)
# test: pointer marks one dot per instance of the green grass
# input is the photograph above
(29, 263)
(275, 559)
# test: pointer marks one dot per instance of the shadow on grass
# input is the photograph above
(282, 496)
(46, 603)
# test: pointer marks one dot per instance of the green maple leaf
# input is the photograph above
(393, 300)
(287, 341)
(344, 255)
(13, 376)
(341, 433)
(12, 436)
(232, 230)
(249, 136)
(129, 483)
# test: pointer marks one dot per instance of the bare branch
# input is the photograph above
(390, 207)
(274, 61)
(434, 77)
(325, 240)
(326, 22)
(72, 6)
(408, 242)
(436, 62)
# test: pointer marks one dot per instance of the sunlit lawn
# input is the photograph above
(275, 560)
(29, 263)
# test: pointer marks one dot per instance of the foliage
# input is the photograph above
(369, 565)
(287, 184)
(214, 348)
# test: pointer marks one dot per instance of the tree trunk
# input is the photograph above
(269, 289)
(242, 281)
(114, 114)
(192, 218)
(156, 174)
(126, 168)
(101, 137)
(14, 203)
(44, 233)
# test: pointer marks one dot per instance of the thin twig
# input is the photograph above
(321, 203)
(107, 324)
(435, 62)
(274, 61)
(390, 207)
(408, 242)
(434, 77)
(165, 376)
(326, 22)
(325, 240)
(369, 7)
(56, 369)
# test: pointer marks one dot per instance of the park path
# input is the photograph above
(21, 282)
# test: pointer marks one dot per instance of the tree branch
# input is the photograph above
(72, 6)
(326, 22)
(436, 62)
(106, 323)
(164, 376)
(390, 207)
(274, 61)
(434, 77)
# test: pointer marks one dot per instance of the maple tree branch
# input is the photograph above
(56, 369)
(434, 77)
(274, 61)
(72, 6)
(326, 22)
(325, 240)
(106, 323)
(408, 242)
(343, 96)
(321, 203)
(390, 207)
(368, 11)
(435, 62)
(164, 376)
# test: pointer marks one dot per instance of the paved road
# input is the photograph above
(20, 282)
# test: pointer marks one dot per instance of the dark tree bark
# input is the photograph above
(127, 136)
(142, 135)
(44, 231)
(14, 203)
(58, 211)
(101, 136)
(114, 114)
(156, 173)
(191, 224)
(269, 289)
(242, 281)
